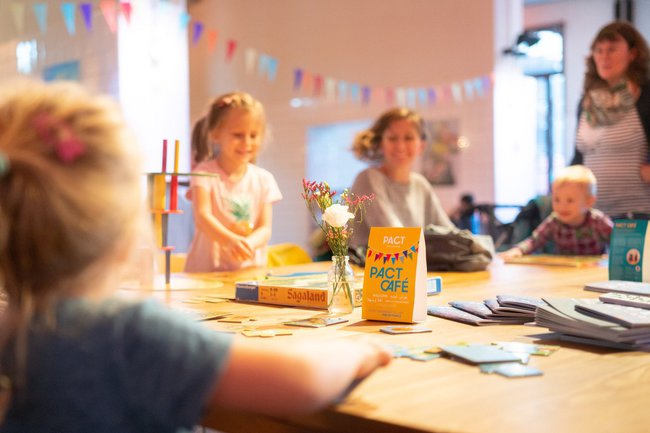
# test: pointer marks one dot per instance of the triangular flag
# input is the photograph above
(365, 94)
(355, 92)
(390, 96)
(422, 96)
(330, 88)
(212, 40)
(478, 87)
(18, 14)
(184, 20)
(400, 96)
(126, 8)
(411, 97)
(231, 46)
(318, 85)
(306, 80)
(87, 14)
(342, 90)
(249, 60)
(67, 10)
(262, 64)
(469, 88)
(110, 14)
(40, 10)
(272, 69)
(369, 252)
(198, 31)
(457, 92)
(297, 79)
(431, 96)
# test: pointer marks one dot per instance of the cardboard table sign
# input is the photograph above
(627, 258)
(395, 279)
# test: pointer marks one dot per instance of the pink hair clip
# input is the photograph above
(59, 136)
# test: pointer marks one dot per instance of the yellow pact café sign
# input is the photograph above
(395, 279)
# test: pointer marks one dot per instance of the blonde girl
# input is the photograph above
(233, 204)
(73, 356)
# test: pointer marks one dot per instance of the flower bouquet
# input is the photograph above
(335, 215)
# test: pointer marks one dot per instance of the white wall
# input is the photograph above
(144, 65)
(375, 42)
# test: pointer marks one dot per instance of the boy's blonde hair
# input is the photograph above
(367, 144)
(577, 174)
(70, 196)
(202, 148)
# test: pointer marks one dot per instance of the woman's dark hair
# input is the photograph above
(639, 69)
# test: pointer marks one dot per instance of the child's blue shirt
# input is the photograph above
(116, 367)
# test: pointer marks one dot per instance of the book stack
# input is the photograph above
(303, 289)
(595, 322)
(502, 310)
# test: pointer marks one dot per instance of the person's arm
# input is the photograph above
(539, 238)
(235, 245)
(292, 379)
(261, 235)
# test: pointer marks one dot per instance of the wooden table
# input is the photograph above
(583, 389)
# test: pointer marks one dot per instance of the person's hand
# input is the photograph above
(238, 249)
(645, 172)
(512, 253)
(375, 355)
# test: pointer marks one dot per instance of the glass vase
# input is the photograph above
(340, 279)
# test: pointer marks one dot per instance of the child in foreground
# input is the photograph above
(76, 358)
(574, 227)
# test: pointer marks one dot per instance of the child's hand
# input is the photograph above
(238, 249)
(512, 253)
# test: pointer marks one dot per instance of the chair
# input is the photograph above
(287, 254)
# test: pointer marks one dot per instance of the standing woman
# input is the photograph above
(614, 123)
(403, 198)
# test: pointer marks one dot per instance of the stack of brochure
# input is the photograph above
(593, 321)
(504, 309)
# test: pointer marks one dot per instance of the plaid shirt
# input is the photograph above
(590, 238)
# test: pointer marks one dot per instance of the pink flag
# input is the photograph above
(110, 14)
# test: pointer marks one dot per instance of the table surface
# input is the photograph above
(583, 388)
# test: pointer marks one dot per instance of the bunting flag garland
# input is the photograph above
(184, 20)
(249, 60)
(87, 13)
(68, 12)
(264, 65)
(18, 14)
(272, 69)
(40, 10)
(110, 14)
(318, 85)
(212, 41)
(231, 46)
(126, 8)
(393, 257)
(297, 78)
(198, 30)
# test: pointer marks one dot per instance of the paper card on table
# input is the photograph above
(480, 353)
(394, 284)
(627, 260)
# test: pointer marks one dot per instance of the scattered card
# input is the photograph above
(236, 319)
(404, 329)
(510, 369)
(481, 353)
(265, 333)
(533, 349)
(316, 322)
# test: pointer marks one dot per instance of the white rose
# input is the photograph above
(337, 215)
